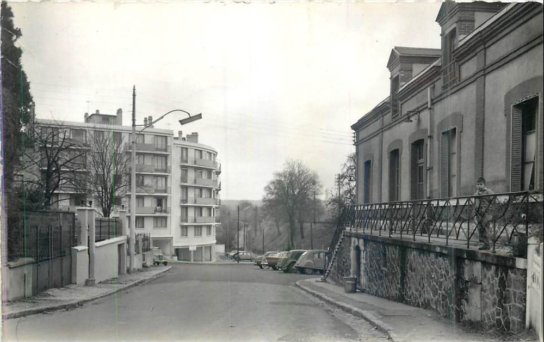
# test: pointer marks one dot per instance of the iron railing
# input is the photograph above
(146, 242)
(505, 215)
(107, 228)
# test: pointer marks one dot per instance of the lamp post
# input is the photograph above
(191, 118)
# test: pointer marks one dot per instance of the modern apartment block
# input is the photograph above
(177, 184)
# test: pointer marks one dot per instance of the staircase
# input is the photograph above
(333, 256)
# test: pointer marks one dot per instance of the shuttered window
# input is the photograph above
(448, 163)
(394, 175)
(367, 178)
(418, 169)
(524, 141)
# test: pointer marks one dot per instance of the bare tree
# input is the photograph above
(52, 161)
(291, 192)
(109, 163)
(345, 194)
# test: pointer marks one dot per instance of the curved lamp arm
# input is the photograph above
(191, 118)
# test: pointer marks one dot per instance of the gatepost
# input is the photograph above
(92, 222)
(124, 232)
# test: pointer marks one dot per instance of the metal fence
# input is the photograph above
(42, 235)
(107, 228)
(506, 217)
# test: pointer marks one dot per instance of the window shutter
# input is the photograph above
(444, 167)
(515, 175)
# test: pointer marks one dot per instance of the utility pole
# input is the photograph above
(132, 237)
(312, 226)
(238, 233)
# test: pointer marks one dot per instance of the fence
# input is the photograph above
(507, 217)
(46, 238)
(107, 228)
(42, 235)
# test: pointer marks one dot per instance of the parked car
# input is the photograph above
(312, 261)
(230, 254)
(287, 264)
(273, 259)
(261, 260)
(158, 257)
(243, 255)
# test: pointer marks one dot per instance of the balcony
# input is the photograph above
(452, 221)
(152, 210)
(150, 189)
(205, 201)
(152, 168)
(149, 148)
(206, 163)
(204, 219)
(206, 182)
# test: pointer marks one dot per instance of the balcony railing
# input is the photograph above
(152, 210)
(205, 201)
(206, 163)
(148, 148)
(453, 220)
(206, 182)
(152, 168)
(204, 219)
(151, 189)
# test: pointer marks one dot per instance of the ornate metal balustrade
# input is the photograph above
(506, 216)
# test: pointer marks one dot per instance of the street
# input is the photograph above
(201, 302)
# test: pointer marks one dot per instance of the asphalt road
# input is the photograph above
(201, 303)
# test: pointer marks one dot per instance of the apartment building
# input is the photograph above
(177, 183)
(470, 109)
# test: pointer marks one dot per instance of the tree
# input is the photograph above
(291, 193)
(108, 165)
(346, 188)
(17, 105)
(52, 161)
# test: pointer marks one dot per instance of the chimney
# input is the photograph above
(86, 117)
(180, 134)
(145, 122)
(193, 137)
(120, 117)
(97, 112)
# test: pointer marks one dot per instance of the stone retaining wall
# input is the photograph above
(463, 285)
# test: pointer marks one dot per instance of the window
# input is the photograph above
(367, 179)
(160, 163)
(198, 231)
(184, 175)
(161, 205)
(98, 135)
(394, 175)
(139, 180)
(395, 84)
(139, 202)
(449, 68)
(184, 194)
(198, 193)
(198, 212)
(448, 163)
(160, 142)
(417, 170)
(117, 137)
(184, 214)
(528, 111)
(79, 135)
(159, 222)
(160, 183)
(208, 230)
(198, 154)
(184, 155)
(139, 222)
(184, 232)
(140, 139)
(140, 159)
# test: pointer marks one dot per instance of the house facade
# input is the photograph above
(471, 109)
(170, 171)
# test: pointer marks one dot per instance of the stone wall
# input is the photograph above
(463, 285)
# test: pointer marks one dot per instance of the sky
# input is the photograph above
(274, 80)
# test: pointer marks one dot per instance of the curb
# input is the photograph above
(75, 304)
(367, 315)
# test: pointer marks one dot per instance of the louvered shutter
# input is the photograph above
(444, 165)
(516, 146)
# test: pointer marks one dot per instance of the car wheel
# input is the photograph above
(288, 268)
(274, 268)
(308, 271)
(165, 263)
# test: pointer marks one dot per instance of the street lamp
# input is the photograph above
(191, 118)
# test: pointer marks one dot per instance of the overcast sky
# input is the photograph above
(274, 81)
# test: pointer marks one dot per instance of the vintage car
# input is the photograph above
(273, 259)
(158, 257)
(261, 260)
(313, 261)
(287, 264)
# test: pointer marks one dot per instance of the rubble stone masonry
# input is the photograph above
(467, 286)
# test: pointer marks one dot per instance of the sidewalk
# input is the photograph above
(73, 296)
(401, 322)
